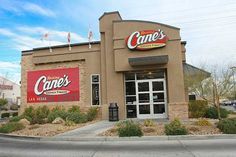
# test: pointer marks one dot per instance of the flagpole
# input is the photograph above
(90, 35)
(69, 39)
(49, 42)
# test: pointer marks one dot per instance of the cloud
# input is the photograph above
(53, 34)
(9, 65)
(22, 8)
(36, 9)
(6, 32)
(10, 70)
(30, 37)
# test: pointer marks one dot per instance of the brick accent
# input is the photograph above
(178, 110)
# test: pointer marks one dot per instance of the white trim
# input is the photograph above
(91, 86)
(151, 103)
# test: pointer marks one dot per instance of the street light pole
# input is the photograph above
(232, 68)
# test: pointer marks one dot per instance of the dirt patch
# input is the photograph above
(48, 129)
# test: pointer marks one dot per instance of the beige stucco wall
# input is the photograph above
(110, 60)
(61, 58)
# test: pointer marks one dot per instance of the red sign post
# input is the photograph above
(55, 85)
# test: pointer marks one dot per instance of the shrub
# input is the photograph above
(69, 123)
(58, 108)
(10, 127)
(92, 113)
(74, 109)
(36, 116)
(3, 102)
(57, 113)
(77, 117)
(41, 113)
(227, 126)
(197, 108)
(129, 128)
(29, 112)
(212, 112)
(15, 119)
(175, 128)
(148, 123)
(203, 122)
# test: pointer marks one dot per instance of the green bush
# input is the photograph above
(15, 119)
(41, 113)
(148, 123)
(29, 112)
(203, 122)
(175, 128)
(36, 116)
(197, 108)
(129, 128)
(77, 117)
(3, 102)
(57, 113)
(74, 109)
(10, 127)
(69, 123)
(92, 113)
(227, 126)
(212, 112)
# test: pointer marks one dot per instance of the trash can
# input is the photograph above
(113, 112)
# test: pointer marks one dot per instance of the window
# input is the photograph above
(130, 95)
(95, 89)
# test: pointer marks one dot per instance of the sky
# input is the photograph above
(207, 26)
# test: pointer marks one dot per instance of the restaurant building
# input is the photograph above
(137, 64)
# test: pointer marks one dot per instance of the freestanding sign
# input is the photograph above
(146, 39)
(55, 85)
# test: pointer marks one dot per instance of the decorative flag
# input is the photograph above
(90, 37)
(46, 37)
(68, 39)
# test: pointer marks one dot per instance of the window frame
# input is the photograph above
(91, 89)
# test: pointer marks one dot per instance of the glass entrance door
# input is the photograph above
(151, 98)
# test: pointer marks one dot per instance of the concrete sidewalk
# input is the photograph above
(91, 130)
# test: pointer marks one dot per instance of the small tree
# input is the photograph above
(218, 85)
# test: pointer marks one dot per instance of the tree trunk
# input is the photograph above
(217, 101)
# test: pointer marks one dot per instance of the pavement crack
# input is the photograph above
(184, 146)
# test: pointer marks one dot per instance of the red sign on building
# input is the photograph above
(146, 39)
(55, 85)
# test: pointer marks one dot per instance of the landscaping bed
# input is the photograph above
(42, 121)
(158, 128)
(48, 129)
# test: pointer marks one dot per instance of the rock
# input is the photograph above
(24, 121)
(58, 120)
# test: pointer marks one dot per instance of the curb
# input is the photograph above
(144, 138)
(19, 137)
